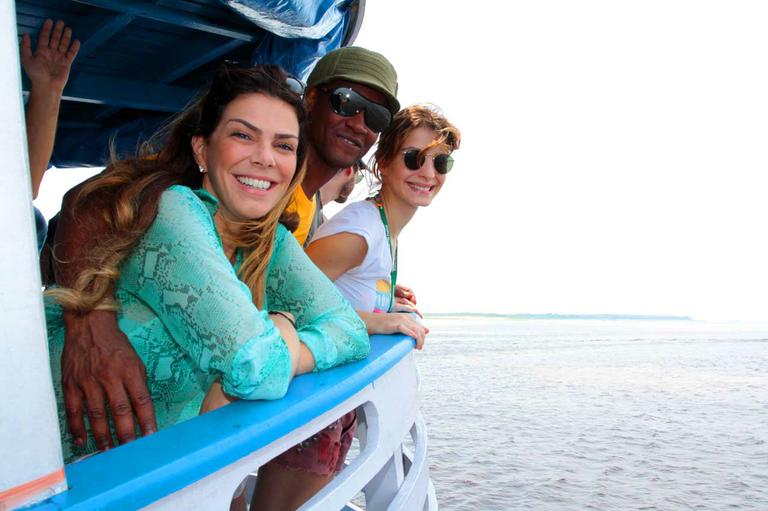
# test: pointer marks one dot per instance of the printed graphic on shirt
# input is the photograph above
(383, 296)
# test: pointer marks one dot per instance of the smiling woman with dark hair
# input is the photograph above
(192, 247)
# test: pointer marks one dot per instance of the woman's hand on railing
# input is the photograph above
(395, 322)
(405, 292)
(405, 305)
(405, 300)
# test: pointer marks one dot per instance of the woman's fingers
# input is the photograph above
(72, 52)
(414, 329)
(26, 48)
(406, 305)
(406, 292)
(422, 334)
(66, 37)
(407, 330)
(45, 33)
(55, 40)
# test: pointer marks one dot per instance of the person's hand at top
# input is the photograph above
(48, 70)
(51, 62)
(405, 300)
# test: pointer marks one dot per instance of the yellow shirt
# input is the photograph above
(305, 208)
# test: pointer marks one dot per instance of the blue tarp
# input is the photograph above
(301, 31)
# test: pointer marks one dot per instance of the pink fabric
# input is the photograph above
(325, 452)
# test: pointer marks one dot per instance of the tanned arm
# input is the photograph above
(100, 369)
(48, 71)
(99, 365)
(339, 253)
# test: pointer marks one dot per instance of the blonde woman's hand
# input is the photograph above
(405, 292)
(395, 322)
(405, 305)
(405, 300)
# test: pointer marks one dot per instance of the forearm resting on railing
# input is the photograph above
(100, 369)
(302, 361)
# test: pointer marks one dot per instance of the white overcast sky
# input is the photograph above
(613, 155)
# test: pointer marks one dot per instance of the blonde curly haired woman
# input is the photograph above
(357, 248)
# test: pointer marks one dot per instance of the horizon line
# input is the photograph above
(553, 315)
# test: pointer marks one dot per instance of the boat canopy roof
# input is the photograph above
(143, 60)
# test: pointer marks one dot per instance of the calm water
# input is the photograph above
(556, 415)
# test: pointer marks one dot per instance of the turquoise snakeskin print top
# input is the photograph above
(192, 321)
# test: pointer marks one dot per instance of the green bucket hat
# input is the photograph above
(358, 65)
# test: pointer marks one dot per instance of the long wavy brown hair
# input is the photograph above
(128, 192)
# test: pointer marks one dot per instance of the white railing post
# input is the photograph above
(384, 486)
(30, 449)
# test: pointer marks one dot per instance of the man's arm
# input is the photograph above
(48, 71)
(100, 368)
(99, 365)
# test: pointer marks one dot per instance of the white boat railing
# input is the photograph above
(198, 464)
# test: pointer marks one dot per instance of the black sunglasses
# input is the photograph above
(443, 162)
(294, 84)
(346, 102)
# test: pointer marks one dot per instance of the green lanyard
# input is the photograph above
(392, 276)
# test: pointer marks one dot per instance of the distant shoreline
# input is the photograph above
(603, 317)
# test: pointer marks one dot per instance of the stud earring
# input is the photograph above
(201, 168)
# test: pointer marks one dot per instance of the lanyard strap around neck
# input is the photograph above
(393, 275)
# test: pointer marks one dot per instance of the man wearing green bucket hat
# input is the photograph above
(351, 97)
